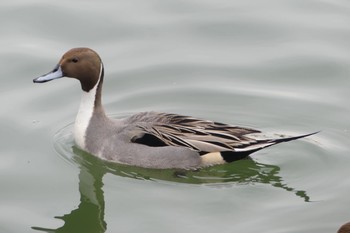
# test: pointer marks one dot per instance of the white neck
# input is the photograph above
(84, 115)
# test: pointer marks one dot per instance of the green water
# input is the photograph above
(278, 66)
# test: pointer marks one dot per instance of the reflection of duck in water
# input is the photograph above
(245, 171)
(89, 216)
(149, 139)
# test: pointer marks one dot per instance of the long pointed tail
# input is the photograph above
(240, 153)
(287, 139)
(263, 143)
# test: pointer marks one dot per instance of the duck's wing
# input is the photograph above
(205, 137)
(161, 129)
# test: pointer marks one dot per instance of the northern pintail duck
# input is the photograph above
(344, 228)
(149, 139)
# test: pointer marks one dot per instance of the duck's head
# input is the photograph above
(345, 228)
(83, 64)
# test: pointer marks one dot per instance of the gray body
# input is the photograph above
(116, 145)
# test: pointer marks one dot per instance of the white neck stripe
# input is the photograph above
(85, 113)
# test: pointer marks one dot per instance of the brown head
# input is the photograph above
(83, 64)
(345, 228)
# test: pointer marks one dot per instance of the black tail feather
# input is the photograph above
(230, 156)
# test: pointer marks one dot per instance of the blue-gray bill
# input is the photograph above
(54, 74)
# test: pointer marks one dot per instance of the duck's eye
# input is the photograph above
(75, 59)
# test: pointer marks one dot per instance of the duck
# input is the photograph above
(344, 228)
(150, 139)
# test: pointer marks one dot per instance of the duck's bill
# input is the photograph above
(54, 74)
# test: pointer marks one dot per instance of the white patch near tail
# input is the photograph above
(212, 158)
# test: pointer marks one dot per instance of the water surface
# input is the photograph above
(279, 66)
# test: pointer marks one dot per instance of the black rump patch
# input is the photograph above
(231, 156)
